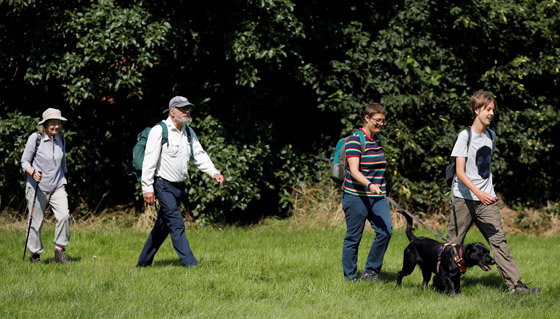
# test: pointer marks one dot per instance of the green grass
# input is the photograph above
(270, 271)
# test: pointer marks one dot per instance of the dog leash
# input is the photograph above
(402, 210)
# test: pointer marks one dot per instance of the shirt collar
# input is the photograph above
(45, 137)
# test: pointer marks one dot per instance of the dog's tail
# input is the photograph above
(409, 233)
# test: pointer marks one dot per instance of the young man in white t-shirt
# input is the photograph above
(475, 199)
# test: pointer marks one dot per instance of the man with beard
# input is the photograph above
(164, 171)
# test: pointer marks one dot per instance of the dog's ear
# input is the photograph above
(482, 248)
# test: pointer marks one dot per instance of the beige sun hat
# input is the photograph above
(52, 114)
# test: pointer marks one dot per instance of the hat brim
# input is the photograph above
(53, 118)
(180, 105)
(183, 104)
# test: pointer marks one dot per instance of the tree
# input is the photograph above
(276, 83)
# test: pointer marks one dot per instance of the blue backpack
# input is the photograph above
(338, 165)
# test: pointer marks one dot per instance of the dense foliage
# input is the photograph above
(276, 83)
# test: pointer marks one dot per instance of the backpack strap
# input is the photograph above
(468, 144)
(362, 141)
(492, 137)
(189, 137)
(64, 159)
(468, 129)
(164, 137)
(164, 133)
(37, 142)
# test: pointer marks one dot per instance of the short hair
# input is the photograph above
(482, 99)
(374, 108)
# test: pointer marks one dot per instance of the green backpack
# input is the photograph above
(135, 167)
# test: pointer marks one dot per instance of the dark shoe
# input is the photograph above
(60, 256)
(190, 266)
(522, 289)
(370, 276)
(34, 258)
(142, 266)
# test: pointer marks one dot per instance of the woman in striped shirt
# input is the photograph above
(363, 196)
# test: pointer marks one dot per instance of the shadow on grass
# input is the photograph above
(70, 259)
(491, 280)
(388, 276)
(167, 262)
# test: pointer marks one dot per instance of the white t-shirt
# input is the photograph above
(478, 163)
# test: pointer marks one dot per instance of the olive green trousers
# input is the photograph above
(488, 220)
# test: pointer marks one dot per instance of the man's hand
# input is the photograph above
(485, 198)
(149, 198)
(219, 178)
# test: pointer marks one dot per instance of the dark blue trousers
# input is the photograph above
(357, 210)
(169, 222)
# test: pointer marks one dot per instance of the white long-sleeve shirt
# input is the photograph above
(173, 163)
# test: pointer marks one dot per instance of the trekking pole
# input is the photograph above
(30, 220)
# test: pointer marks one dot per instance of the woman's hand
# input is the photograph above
(37, 176)
(374, 189)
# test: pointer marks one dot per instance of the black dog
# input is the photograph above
(446, 261)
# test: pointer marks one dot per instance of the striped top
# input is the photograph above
(372, 165)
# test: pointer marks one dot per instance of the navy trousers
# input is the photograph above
(169, 222)
(357, 210)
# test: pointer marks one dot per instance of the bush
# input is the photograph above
(279, 83)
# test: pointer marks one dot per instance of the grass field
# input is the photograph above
(274, 270)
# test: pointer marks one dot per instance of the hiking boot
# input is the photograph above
(60, 256)
(370, 276)
(522, 289)
(34, 258)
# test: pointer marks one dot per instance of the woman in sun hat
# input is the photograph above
(44, 162)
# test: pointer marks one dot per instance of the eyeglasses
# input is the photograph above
(54, 123)
(379, 121)
(184, 109)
